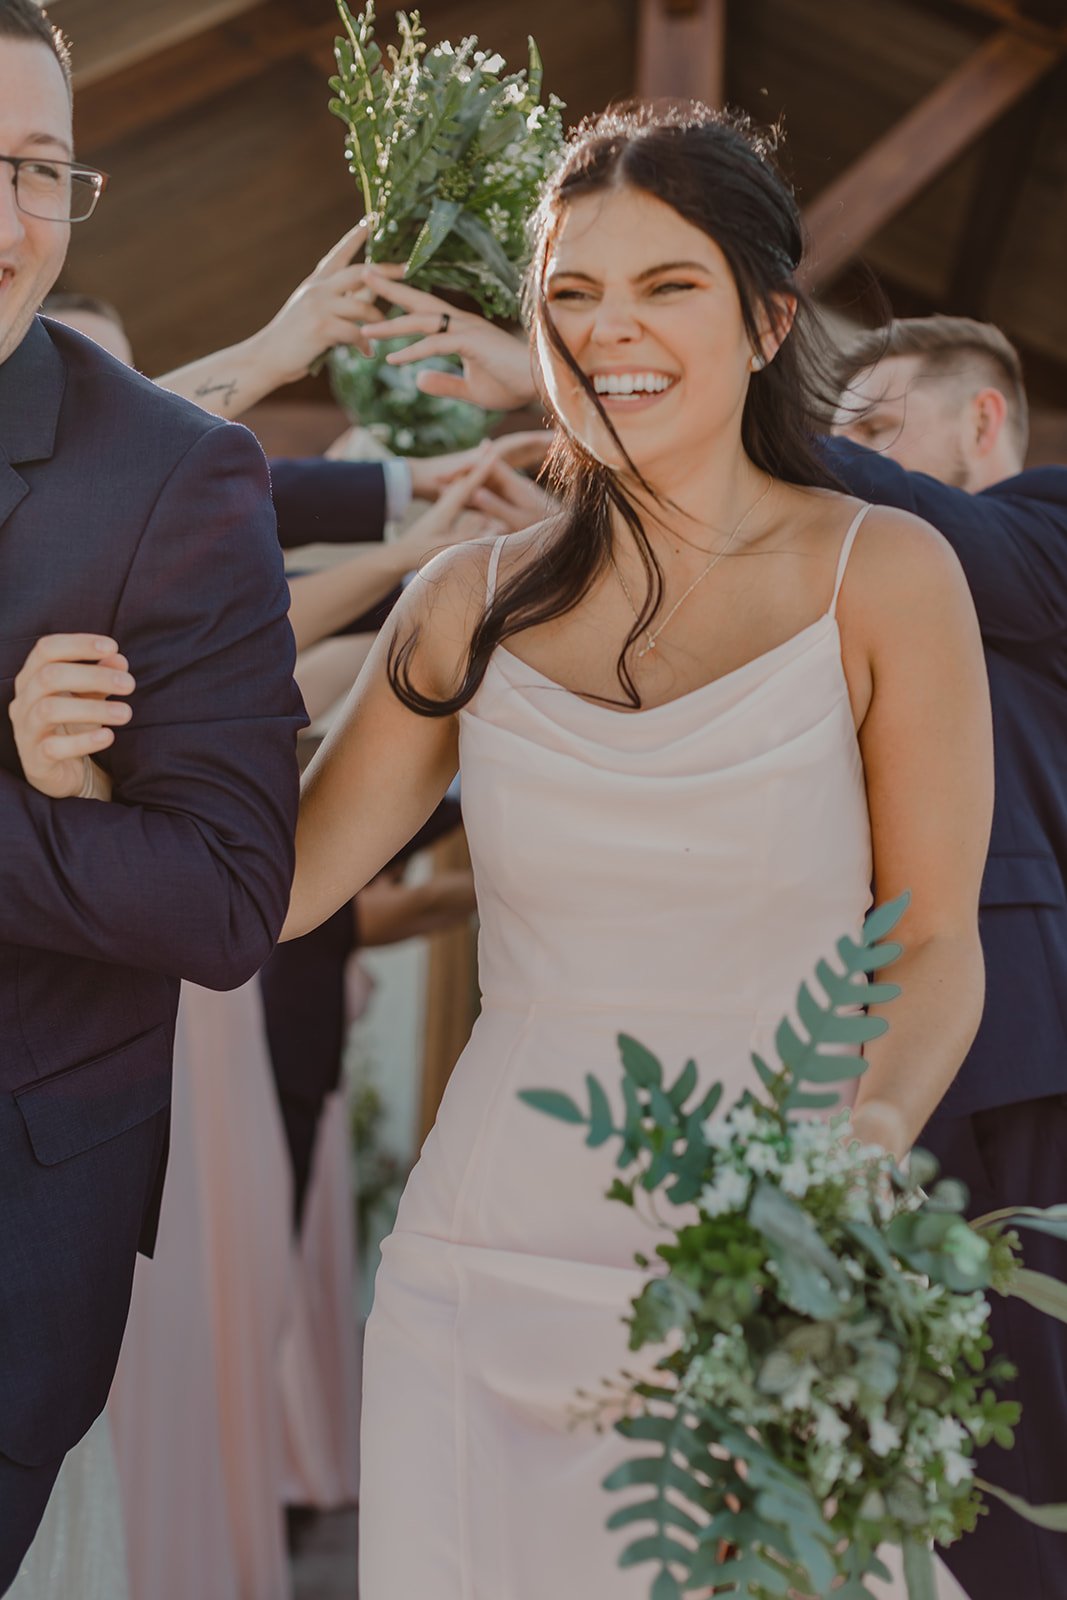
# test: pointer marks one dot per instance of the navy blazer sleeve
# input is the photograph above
(1011, 545)
(328, 502)
(187, 871)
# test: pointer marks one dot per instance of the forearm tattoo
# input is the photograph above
(227, 389)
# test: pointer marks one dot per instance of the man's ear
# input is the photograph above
(989, 412)
(775, 324)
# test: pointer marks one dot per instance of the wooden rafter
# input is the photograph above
(681, 48)
(995, 196)
(899, 165)
(186, 74)
(110, 35)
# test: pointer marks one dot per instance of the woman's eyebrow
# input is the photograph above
(640, 277)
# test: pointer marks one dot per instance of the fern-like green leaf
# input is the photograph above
(553, 1104)
(639, 1064)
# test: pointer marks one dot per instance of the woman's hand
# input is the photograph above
(62, 714)
(431, 475)
(497, 373)
(512, 500)
(330, 307)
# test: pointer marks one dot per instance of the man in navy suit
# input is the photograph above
(938, 407)
(128, 518)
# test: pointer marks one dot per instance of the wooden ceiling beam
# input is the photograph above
(193, 71)
(109, 36)
(898, 166)
(1009, 148)
(1044, 22)
(681, 49)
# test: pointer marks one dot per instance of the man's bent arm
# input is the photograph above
(1013, 549)
(188, 870)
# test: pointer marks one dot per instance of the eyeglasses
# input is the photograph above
(55, 191)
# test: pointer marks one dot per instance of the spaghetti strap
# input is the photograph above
(494, 563)
(842, 560)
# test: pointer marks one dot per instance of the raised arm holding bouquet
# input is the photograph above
(449, 151)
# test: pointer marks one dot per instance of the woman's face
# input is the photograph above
(647, 306)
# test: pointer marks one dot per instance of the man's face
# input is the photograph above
(915, 419)
(35, 120)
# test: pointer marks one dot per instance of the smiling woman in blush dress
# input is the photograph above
(697, 713)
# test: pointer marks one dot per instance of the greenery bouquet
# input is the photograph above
(449, 151)
(819, 1320)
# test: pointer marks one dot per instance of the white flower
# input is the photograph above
(798, 1396)
(885, 1438)
(728, 1192)
(743, 1120)
(830, 1429)
(718, 1133)
(958, 1468)
(948, 1434)
(842, 1391)
(762, 1158)
(795, 1178)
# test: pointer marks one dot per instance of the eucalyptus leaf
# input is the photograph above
(1047, 1219)
(666, 1512)
(919, 1577)
(1053, 1517)
(683, 1086)
(884, 918)
(438, 225)
(786, 1224)
(601, 1126)
(553, 1103)
(1039, 1290)
(655, 1547)
(639, 1064)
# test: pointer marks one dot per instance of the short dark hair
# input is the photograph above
(946, 346)
(64, 300)
(25, 19)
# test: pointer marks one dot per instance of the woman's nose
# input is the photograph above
(615, 323)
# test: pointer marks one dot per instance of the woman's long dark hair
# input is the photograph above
(719, 173)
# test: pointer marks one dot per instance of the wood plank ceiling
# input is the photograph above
(229, 180)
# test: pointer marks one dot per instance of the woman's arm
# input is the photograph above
(391, 910)
(926, 742)
(321, 602)
(328, 308)
(383, 768)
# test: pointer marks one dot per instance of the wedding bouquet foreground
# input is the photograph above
(826, 1378)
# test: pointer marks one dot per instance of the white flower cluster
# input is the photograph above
(813, 1156)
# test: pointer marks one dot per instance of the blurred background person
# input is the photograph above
(934, 419)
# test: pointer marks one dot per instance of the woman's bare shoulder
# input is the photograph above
(446, 599)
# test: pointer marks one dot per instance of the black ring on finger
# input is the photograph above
(446, 318)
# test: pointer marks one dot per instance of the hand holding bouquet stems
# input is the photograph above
(494, 365)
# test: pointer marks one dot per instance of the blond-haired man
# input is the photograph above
(939, 407)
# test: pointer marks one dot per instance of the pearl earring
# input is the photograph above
(758, 363)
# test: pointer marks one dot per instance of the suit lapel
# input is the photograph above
(32, 380)
(12, 489)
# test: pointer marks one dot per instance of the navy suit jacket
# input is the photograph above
(318, 501)
(126, 511)
(1012, 543)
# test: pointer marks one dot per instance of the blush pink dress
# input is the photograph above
(671, 873)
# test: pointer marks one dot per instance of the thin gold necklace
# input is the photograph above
(652, 635)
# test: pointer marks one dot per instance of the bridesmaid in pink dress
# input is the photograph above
(680, 775)
(196, 1405)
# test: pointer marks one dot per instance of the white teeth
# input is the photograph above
(631, 382)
